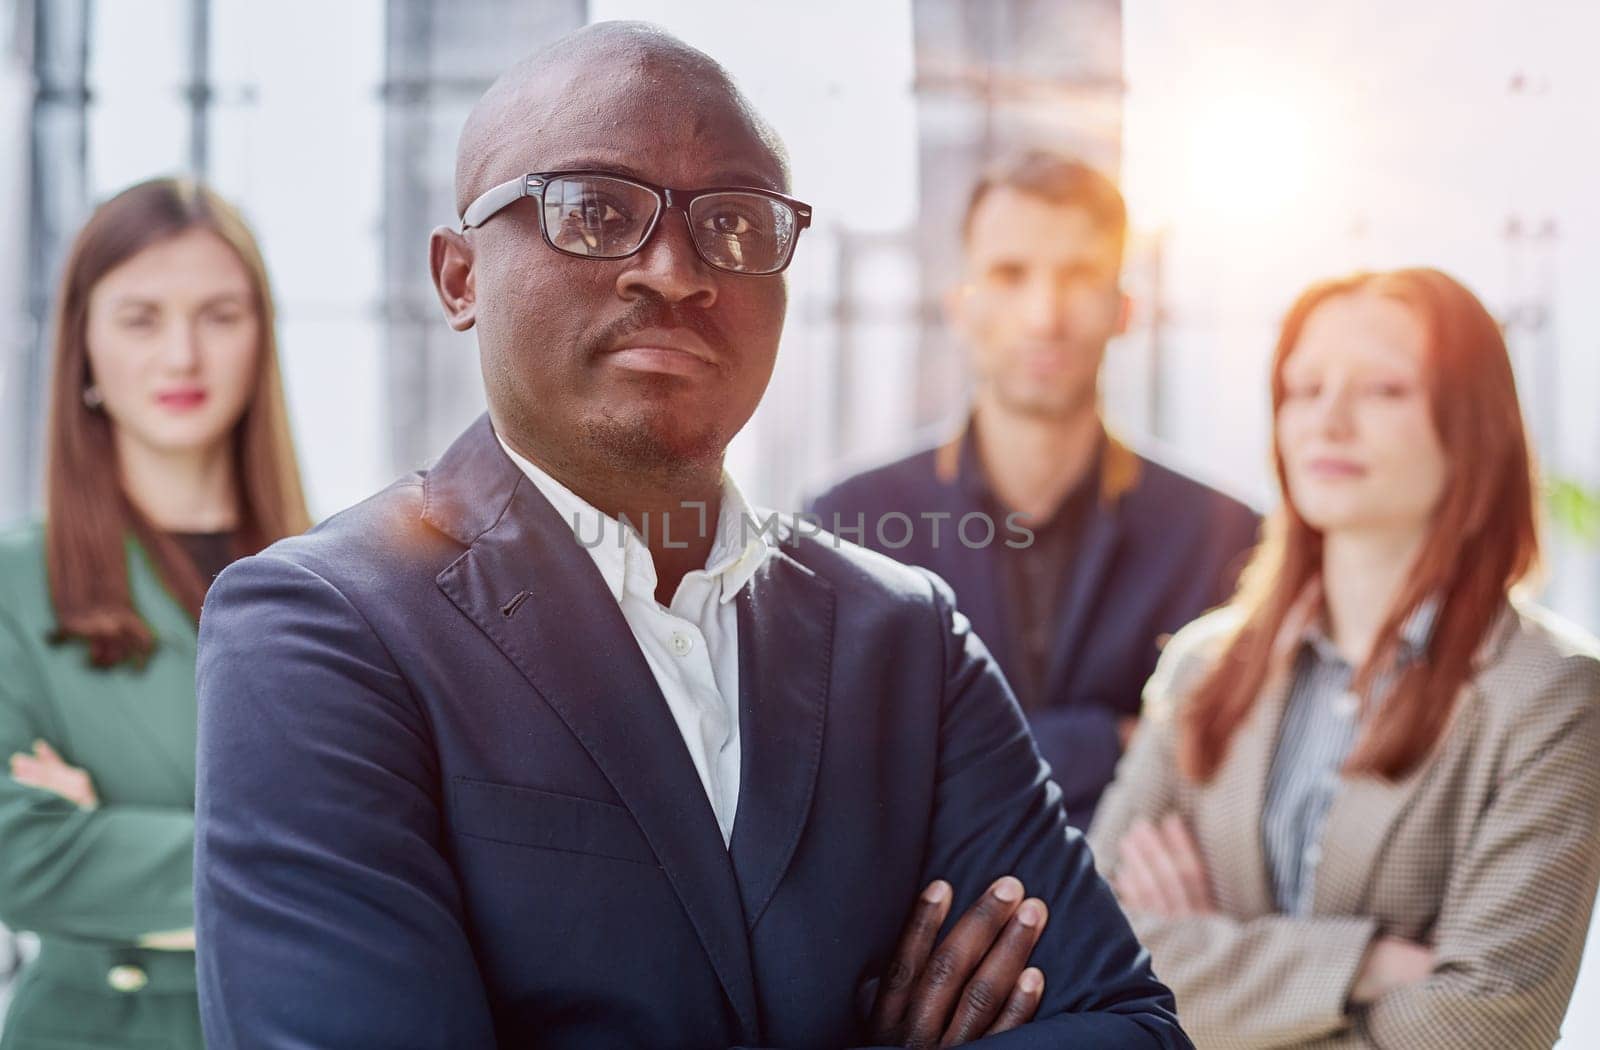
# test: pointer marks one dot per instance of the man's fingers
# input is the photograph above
(47, 753)
(916, 941)
(991, 987)
(958, 955)
(1023, 1003)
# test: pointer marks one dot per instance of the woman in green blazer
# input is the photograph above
(169, 455)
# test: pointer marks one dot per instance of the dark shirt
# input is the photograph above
(209, 552)
(1037, 576)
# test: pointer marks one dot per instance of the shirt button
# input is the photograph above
(1312, 855)
(127, 978)
(1346, 704)
(681, 643)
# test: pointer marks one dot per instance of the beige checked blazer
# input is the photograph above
(1489, 852)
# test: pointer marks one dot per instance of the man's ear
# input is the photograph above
(1124, 312)
(450, 259)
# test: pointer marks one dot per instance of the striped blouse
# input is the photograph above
(1321, 721)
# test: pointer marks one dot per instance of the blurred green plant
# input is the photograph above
(1575, 508)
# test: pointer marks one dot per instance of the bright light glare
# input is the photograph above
(1248, 159)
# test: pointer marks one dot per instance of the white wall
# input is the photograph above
(1279, 143)
(15, 330)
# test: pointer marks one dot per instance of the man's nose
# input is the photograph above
(1042, 309)
(669, 266)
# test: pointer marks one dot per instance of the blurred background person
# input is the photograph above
(1070, 553)
(1363, 808)
(169, 456)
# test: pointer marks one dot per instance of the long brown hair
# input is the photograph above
(88, 514)
(1483, 540)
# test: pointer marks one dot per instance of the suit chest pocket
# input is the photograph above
(534, 819)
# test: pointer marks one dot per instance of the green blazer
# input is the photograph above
(90, 883)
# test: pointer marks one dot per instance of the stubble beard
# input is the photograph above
(656, 444)
(1020, 398)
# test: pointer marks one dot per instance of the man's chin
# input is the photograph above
(658, 442)
(1043, 405)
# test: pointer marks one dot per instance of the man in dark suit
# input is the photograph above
(1072, 555)
(547, 746)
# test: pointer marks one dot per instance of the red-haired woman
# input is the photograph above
(169, 455)
(1364, 808)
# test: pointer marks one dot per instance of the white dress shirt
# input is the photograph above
(692, 648)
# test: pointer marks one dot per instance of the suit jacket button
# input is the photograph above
(127, 978)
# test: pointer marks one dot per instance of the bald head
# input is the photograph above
(567, 85)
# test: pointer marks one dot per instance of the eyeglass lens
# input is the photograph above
(607, 218)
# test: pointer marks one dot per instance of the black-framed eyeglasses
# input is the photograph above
(603, 215)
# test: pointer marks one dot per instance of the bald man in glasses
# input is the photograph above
(555, 743)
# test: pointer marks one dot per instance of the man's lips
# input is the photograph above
(1045, 363)
(674, 351)
(181, 398)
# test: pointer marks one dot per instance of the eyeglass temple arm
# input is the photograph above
(493, 200)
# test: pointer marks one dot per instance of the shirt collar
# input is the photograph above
(974, 479)
(1416, 633)
(739, 548)
(741, 545)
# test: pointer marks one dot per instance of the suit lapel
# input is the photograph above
(1365, 810)
(977, 576)
(1363, 815)
(540, 599)
(1088, 575)
(1230, 813)
(785, 658)
(1232, 819)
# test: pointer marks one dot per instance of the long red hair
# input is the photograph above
(88, 515)
(1483, 540)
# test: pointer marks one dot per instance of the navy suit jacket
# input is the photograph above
(1157, 550)
(442, 803)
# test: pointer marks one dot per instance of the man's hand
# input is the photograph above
(49, 771)
(977, 982)
(1390, 963)
(1159, 870)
